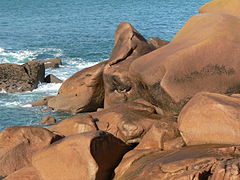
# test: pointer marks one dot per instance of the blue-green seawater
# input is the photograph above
(81, 32)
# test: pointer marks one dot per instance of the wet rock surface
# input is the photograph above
(20, 78)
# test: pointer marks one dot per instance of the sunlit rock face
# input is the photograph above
(203, 56)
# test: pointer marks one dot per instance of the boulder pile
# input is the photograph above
(155, 110)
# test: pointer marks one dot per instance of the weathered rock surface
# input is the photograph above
(230, 7)
(163, 135)
(48, 120)
(203, 56)
(190, 163)
(157, 42)
(82, 92)
(74, 125)
(52, 63)
(19, 78)
(129, 45)
(128, 121)
(92, 155)
(28, 173)
(52, 79)
(210, 118)
(42, 101)
(17, 144)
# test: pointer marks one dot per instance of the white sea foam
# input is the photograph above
(17, 56)
(86, 65)
(17, 104)
(3, 91)
(26, 105)
(23, 56)
(71, 66)
(80, 63)
(13, 104)
(48, 87)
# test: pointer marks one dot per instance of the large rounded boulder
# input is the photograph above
(18, 144)
(90, 155)
(203, 56)
(210, 118)
(82, 92)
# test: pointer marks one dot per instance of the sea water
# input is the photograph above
(81, 33)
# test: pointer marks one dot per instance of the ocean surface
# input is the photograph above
(81, 33)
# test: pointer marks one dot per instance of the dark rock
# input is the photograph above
(48, 120)
(52, 63)
(52, 79)
(19, 78)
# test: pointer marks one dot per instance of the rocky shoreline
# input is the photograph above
(154, 110)
(19, 78)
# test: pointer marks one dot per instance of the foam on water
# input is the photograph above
(15, 104)
(47, 87)
(27, 105)
(3, 91)
(69, 67)
(12, 104)
(22, 56)
(81, 64)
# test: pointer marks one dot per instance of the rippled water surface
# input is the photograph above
(78, 31)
